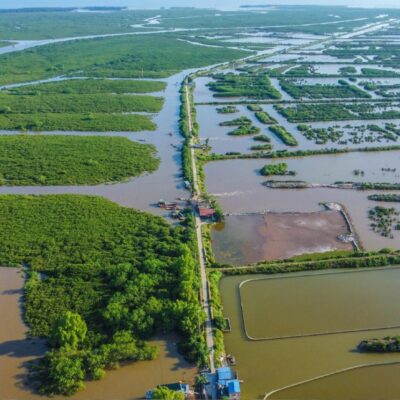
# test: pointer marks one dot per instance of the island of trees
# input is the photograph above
(385, 345)
(72, 160)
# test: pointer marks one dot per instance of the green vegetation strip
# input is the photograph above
(78, 103)
(264, 118)
(359, 260)
(110, 278)
(86, 86)
(390, 198)
(284, 135)
(77, 122)
(72, 160)
(304, 153)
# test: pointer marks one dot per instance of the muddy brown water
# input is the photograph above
(15, 349)
(128, 382)
(245, 239)
(303, 311)
(269, 365)
(358, 384)
(237, 186)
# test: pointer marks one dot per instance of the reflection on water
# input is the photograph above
(270, 365)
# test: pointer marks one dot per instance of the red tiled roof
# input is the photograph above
(206, 212)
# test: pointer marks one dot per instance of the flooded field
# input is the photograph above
(340, 308)
(356, 384)
(260, 363)
(246, 239)
(237, 185)
(328, 169)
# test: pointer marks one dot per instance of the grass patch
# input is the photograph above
(72, 160)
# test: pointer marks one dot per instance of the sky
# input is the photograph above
(221, 4)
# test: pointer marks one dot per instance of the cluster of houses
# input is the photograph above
(224, 383)
(228, 386)
(204, 209)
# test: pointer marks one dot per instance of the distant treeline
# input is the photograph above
(59, 9)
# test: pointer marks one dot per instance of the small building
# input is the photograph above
(206, 212)
(168, 205)
(227, 384)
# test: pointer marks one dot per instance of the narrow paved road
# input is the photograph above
(196, 195)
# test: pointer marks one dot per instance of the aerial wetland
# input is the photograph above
(184, 189)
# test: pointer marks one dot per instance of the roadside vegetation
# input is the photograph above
(102, 279)
(72, 160)
(382, 258)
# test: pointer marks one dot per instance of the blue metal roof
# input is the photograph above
(224, 374)
(233, 386)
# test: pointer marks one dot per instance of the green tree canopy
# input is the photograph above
(69, 330)
(164, 393)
